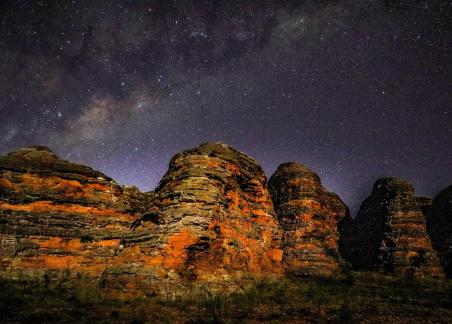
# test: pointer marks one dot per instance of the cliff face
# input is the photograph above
(60, 217)
(309, 215)
(211, 222)
(439, 218)
(389, 233)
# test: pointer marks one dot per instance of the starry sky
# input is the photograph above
(356, 90)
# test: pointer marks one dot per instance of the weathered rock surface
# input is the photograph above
(439, 220)
(57, 216)
(309, 215)
(211, 222)
(389, 233)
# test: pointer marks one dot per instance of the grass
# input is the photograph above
(368, 297)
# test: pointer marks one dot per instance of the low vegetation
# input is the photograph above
(362, 297)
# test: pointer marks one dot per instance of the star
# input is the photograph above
(338, 85)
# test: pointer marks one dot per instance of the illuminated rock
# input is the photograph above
(211, 223)
(60, 217)
(309, 215)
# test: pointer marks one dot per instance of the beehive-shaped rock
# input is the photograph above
(59, 217)
(211, 222)
(309, 215)
(389, 233)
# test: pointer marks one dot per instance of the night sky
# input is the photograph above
(355, 90)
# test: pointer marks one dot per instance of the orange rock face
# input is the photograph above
(211, 222)
(309, 215)
(389, 234)
(59, 217)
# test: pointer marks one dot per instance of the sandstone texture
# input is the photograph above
(58, 217)
(389, 233)
(439, 219)
(211, 223)
(309, 216)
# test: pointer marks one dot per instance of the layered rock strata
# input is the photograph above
(60, 218)
(439, 218)
(389, 233)
(309, 215)
(211, 222)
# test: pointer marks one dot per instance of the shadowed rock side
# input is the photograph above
(309, 215)
(211, 222)
(439, 219)
(60, 218)
(389, 233)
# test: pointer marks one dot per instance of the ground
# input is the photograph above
(362, 297)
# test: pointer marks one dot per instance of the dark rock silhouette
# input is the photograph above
(439, 219)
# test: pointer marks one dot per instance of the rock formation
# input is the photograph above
(309, 215)
(60, 217)
(439, 219)
(211, 222)
(389, 233)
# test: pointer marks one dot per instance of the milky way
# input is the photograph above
(355, 90)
